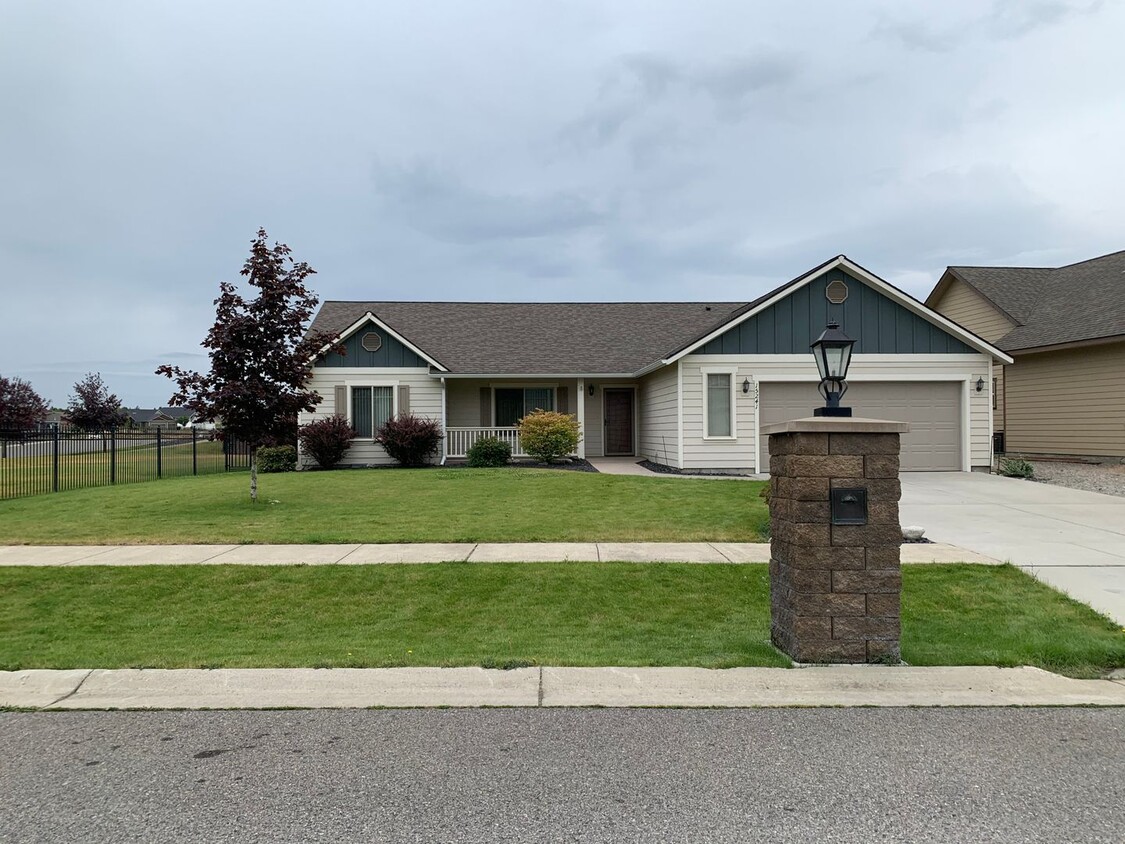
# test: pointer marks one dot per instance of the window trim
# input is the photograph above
(351, 385)
(732, 373)
(522, 385)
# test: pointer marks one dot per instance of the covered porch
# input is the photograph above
(476, 408)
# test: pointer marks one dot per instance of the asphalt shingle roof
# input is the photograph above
(1083, 301)
(538, 337)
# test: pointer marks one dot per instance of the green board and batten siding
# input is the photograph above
(880, 325)
(391, 353)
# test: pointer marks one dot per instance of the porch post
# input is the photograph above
(582, 418)
(444, 427)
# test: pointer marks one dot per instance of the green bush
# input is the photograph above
(281, 458)
(1012, 468)
(547, 435)
(489, 451)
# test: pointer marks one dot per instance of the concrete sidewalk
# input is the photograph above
(342, 688)
(484, 552)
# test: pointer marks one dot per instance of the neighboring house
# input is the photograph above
(153, 418)
(1065, 328)
(685, 384)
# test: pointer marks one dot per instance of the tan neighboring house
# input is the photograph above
(1064, 327)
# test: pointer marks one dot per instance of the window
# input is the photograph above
(513, 403)
(371, 408)
(719, 403)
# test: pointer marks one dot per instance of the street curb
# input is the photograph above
(349, 688)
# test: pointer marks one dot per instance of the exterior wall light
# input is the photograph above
(746, 385)
(832, 352)
(980, 385)
(591, 389)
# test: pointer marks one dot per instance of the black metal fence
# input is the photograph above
(34, 461)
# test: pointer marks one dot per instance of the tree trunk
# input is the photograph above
(254, 475)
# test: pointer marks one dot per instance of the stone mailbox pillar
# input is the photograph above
(835, 579)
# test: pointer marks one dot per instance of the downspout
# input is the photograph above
(445, 439)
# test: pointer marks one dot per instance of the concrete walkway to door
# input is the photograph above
(1071, 539)
(632, 466)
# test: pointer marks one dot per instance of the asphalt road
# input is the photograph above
(826, 775)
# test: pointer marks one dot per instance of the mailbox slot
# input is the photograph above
(849, 506)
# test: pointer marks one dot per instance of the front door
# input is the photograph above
(618, 422)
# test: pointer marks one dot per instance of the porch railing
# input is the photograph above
(458, 441)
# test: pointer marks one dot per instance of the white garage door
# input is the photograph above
(933, 410)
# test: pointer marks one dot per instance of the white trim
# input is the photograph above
(883, 287)
(732, 373)
(991, 414)
(971, 359)
(758, 427)
(373, 370)
(445, 437)
(581, 410)
(479, 376)
(525, 384)
(966, 430)
(680, 414)
(370, 317)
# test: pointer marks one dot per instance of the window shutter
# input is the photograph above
(341, 401)
(562, 397)
(404, 398)
(485, 407)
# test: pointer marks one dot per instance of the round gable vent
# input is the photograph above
(371, 341)
(836, 292)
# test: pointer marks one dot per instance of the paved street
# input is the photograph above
(584, 775)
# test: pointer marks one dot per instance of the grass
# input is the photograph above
(712, 616)
(423, 505)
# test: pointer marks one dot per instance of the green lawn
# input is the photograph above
(504, 615)
(394, 505)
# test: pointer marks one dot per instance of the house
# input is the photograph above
(153, 418)
(685, 384)
(1064, 327)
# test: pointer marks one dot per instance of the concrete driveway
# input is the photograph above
(1071, 539)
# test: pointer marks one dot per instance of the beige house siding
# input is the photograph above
(968, 308)
(732, 454)
(594, 433)
(463, 404)
(658, 406)
(425, 400)
(1068, 402)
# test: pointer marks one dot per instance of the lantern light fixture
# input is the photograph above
(746, 385)
(832, 352)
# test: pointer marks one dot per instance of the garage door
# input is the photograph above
(933, 410)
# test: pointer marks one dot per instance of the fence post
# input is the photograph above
(159, 467)
(55, 462)
(194, 454)
(113, 455)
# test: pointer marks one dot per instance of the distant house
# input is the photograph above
(1064, 327)
(684, 384)
(163, 418)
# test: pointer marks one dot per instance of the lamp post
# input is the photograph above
(833, 354)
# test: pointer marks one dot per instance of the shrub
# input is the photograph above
(410, 439)
(1012, 468)
(489, 451)
(547, 435)
(327, 440)
(278, 458)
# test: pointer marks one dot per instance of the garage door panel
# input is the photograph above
(933, 410)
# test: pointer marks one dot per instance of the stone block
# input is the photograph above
(863, 444)
(801, 579)
(779, 464)
(878, 489)
(883, 557)
(870, 580)
(800, 533)
(880, 466)
(867, 535)
(884, 604)
(824, 603)
(780, 507)
(812, 626)
(826, 557)
(829, 650)
(831, 466)
(884, 650)
(866, 627)
(882, 513)
(800, 443)
(816, 512)
(808, 489)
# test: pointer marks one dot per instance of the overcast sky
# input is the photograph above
(528, 151)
